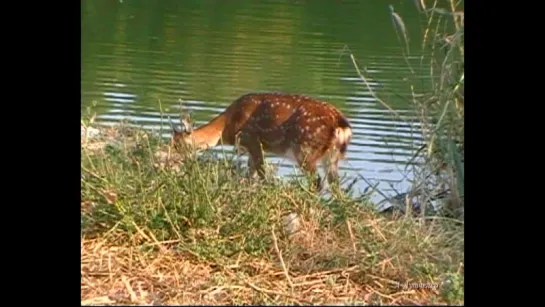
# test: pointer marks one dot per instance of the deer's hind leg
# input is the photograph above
(308, 164)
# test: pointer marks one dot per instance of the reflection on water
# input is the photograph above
(138, 53)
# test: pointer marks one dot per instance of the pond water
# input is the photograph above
(137, 53)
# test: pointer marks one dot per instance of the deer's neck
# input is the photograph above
(209, 134)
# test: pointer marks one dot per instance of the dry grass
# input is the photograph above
(114, 274)
(322, 268)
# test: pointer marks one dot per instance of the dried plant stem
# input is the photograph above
(275, 241)
(271, 292)
(349, 226)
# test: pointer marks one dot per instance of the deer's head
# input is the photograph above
(183, 135)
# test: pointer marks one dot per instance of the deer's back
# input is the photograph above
(284, 121)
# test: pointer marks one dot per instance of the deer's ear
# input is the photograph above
(175, 130)
(185, 120)
(186, 123)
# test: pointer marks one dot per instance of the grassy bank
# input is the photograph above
(198, 232)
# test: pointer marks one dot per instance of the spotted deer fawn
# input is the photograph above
(300, 128)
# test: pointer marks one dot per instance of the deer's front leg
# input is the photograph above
(255, 158)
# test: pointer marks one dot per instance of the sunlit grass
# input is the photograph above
(192, 229)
